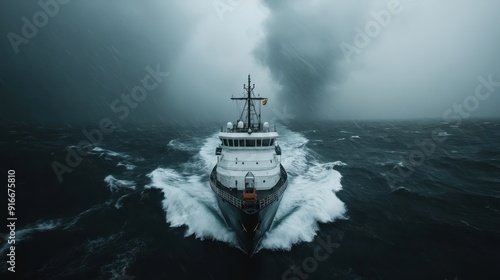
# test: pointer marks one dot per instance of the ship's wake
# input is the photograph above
(309, 199)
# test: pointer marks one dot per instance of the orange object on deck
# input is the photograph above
(250, 197)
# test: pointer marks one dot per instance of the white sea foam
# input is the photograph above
(116, 184)
(294, 152)
(25, 232)
(339, 163)
(188, 201)
(399, 164)
(110, 153)
(185, 145)
(38, 226)
(444, 134)
(309, 200)
(127, 165)
(118, 203)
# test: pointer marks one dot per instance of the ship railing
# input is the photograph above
(274, 196)
(239, 202)
(224, 195)
(254, 127)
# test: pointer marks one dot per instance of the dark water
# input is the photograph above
(139, 206)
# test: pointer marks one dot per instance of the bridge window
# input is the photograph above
(251, 143)
(272, 142)
(242, 142)
(225, 142)
(265, 142)
(230, 142)
(259, 142)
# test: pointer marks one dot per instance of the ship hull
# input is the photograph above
(249, 225)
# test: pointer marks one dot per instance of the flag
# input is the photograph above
(264, 102)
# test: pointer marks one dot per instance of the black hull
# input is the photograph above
(249, 228)
(250, 225)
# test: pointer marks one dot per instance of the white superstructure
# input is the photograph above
(242, 153)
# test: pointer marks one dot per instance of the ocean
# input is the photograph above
(366, 200)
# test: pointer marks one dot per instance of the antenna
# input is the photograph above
(248, 101)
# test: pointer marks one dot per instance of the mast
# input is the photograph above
(249, 100)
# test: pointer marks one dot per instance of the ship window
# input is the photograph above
(259, 143)
(230, 142)
(225, 142)
(242, 142)
(265, 142)
(251, 143)
(236, 143)
(272, 142)
(264, 181)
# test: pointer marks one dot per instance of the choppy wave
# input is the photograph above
(117, 268)
(178, 144)
(110, 153)
(116, 184)
(26, 231)
(339, 163)
(127, 165)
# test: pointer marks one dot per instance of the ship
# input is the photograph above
(248, 179)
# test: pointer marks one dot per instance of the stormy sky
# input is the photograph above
(73, 62)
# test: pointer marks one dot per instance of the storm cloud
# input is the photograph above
(382, 59)
(89, 54)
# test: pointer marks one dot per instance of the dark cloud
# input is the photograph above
(300, 50)
(425, 59)
(91, 52)
(85, 57)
